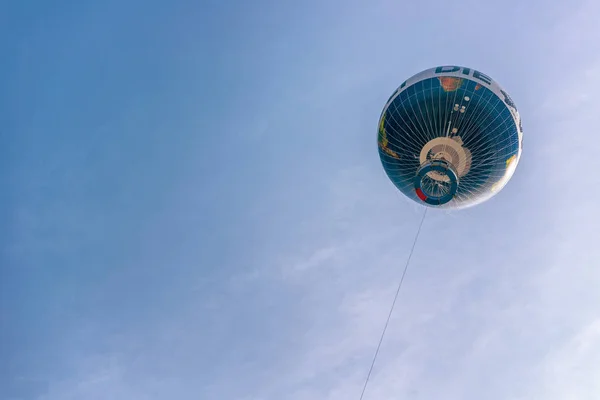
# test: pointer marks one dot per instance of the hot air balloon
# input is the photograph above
(450, 137)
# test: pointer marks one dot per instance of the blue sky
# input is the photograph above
(193, 206)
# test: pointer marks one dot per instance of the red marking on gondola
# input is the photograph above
(421, 194)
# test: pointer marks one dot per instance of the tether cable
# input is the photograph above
(393, 303)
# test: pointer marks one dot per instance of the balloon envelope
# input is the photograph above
(450, 137)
